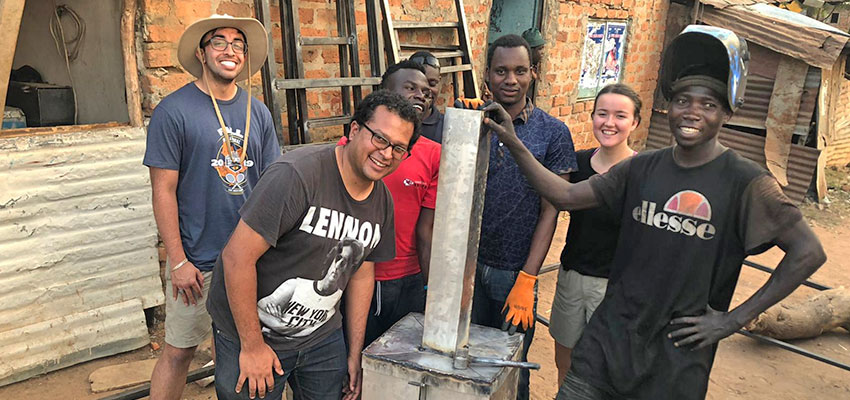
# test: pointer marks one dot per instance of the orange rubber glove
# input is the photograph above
(519, 306)
(469, 104)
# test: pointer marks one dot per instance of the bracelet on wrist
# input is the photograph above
(180, 264)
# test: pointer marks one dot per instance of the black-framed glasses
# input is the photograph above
(426, 60)
(399, 152)
(220, 44)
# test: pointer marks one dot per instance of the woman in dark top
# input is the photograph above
(592, 235)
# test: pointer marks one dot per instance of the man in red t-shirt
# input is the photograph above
(400, 284)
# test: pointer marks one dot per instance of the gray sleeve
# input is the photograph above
(164, 143)
(276, 204)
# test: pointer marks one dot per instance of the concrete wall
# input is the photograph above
(78, 238)
(564, 23)
(98, 72)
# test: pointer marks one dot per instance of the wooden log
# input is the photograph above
(11, 12)
(823, 312)
(131, 68)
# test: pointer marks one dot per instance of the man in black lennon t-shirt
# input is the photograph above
(689, 216)
(309, 235)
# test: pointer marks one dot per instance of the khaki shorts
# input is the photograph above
(576, 298)
(186, 326)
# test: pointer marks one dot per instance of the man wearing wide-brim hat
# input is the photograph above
(207, 144)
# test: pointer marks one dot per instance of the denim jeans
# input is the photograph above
(492, 286)
(315, 373)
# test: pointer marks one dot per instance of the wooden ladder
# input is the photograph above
(459, 55)
(295, 83)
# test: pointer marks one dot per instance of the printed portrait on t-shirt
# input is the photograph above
(228, 162)
(299, 306)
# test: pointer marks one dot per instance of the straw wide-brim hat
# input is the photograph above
(255, 36)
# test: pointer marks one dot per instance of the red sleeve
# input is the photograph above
(430, 199)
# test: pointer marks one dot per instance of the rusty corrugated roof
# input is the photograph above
(801, 163)
(780, 30)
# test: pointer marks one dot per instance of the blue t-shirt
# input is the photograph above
(511, 206)
(184, 135)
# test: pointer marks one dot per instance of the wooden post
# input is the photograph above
(11, 12)
(131, 68)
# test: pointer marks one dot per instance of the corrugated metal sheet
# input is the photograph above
(838, 145)
(801, 163)
(782, 31)
(757, 99)
(78, 237)
(72, 339)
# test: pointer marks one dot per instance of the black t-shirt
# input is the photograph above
(319, 237)
(592, 235)
(684, 233)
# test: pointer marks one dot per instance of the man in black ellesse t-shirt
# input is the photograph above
(689, 216)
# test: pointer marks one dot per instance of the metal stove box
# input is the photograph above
(396, 367)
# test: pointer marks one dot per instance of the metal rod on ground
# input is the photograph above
(795, 349)
(763, 268)
(769, 270)
(145, 390)
(764, 339)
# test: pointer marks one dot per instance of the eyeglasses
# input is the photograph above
(399, 153)
(426, 60)
(220, 44)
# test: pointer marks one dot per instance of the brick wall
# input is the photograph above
(564, 27)
(162, 22)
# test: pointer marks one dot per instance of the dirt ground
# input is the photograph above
(744, 368)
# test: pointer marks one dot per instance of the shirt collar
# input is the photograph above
(525, 114)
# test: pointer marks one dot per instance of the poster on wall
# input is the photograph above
(602, 56)
(615, 36)
(590, 58)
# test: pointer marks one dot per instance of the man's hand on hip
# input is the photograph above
(255, 367)
(187, 281)
(703, 330)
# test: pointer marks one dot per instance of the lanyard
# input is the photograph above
(228, 149)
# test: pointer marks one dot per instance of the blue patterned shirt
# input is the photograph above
(511, 205)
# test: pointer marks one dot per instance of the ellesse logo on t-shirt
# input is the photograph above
(687, 212)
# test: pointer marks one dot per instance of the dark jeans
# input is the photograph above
(391, 301)
(575, 388)
(316, 373)
(492, 287)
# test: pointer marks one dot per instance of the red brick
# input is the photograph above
(159, 57)
(190, 11)
(425, 4)
(305, 15)
(235, 9)
(330, 55)
(163, 33)
(157, 8)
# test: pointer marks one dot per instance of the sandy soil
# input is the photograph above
(744, 369)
